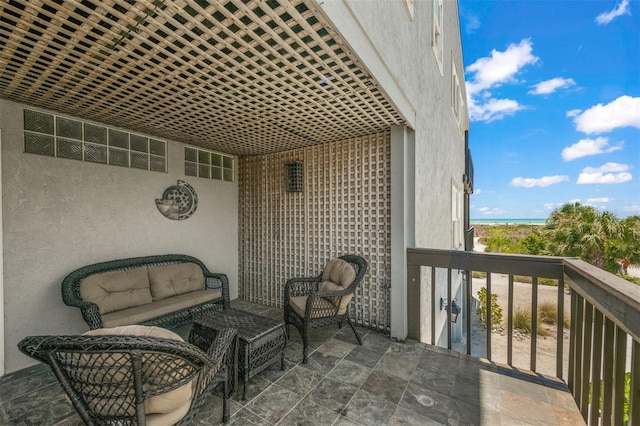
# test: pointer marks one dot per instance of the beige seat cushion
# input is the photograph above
(175, 279)
(324, 307)
(116, 290)
(167, 408)
(138, 314)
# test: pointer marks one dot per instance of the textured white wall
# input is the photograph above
(60, 214)
(398, 52)
(398, 48)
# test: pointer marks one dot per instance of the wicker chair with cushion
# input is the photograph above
(317, 301)
(137, 374)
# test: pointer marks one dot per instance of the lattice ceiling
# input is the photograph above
(244, 77)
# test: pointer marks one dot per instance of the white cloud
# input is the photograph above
(600, 200)
(609, 173)
(493, 71)
(623, 112)
(493, 109)
(491, 211)
(573, 112)
(542, 182)
(550, 86)
(621, 8)
(586, 147)
(552, 206)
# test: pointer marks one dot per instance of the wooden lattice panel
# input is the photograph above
(344, 208)
(243, 77)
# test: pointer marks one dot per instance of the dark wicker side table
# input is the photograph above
(261, 340)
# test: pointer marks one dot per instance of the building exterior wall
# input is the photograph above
(344, 208)
(394, 40)
(59, 215)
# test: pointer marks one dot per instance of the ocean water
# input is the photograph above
(508, 221)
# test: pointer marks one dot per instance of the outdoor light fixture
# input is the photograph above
(295, 175)
(453, 309)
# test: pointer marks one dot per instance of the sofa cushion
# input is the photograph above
(116, 290)
(178, 278)
(168, 407)
(138, 314)
(339, 272)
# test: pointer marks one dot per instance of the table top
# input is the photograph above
(250, 326)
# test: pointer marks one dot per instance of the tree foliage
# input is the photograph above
(599, 238)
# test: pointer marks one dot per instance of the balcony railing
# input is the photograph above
(604, 314)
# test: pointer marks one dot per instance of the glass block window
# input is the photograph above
(209, 164)
(55, 136)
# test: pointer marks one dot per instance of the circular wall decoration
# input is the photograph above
(178, 202)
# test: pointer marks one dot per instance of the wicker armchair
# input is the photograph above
(322, 300)
(123, 379)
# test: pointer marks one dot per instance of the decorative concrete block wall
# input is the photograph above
(344, 208)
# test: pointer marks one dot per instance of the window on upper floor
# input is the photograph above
(437, 42)
(457, 99)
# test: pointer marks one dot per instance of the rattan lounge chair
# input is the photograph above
(124, 379)
(322, 300)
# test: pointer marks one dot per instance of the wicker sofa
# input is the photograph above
(166, 291)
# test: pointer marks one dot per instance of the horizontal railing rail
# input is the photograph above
(603, 367)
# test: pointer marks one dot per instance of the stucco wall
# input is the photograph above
(398, 52)
(61, 214)
(381, 31)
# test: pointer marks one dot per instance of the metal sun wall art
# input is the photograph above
(178, 202)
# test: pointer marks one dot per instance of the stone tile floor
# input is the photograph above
(382, 382)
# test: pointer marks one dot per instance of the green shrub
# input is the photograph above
(478, 274)
(522, 319)
(496, 310)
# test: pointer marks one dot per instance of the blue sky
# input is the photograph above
(554, 102)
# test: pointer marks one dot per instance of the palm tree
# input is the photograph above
(576, 230)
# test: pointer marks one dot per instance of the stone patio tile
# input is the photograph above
(347, 335)
(377, 342)
(438, 380)
(321, 363)
(350, 372)
(369, 409)
(274, 403)
(427, 403)
(343, 421)
(477, 393)
(523, 387)
(333, 394)
(255, 387)
(293, 352)
(246, 418)
(273, 373)
(390, 388)
(300, 380)
(568, 416)
(399, 361)
(211, 411)
(335, 347)
(402, 416)
(365, 356)
(526, 409)
(560, 398)
(308, 413)
(43, 405)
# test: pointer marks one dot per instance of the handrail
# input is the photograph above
(616, 298)
(604, 310)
